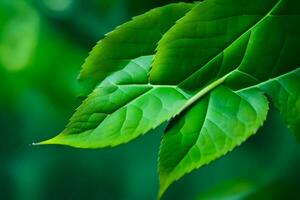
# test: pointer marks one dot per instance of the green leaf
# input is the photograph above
(210, 71)
(285, 94)
(239, 44)
(133, 39)
(212, 127)
(256, 39)
(121, 108)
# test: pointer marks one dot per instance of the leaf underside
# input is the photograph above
(210, 68)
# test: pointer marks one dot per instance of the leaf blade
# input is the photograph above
(211, 128)
(208, 48)
(133, 39)
(123, 107)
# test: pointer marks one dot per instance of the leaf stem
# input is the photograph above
(204, 91)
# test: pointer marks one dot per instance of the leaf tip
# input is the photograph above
(35, 144)
(46, 142)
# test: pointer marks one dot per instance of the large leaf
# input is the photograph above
(254, 39)
(133, 39)
(218, 123)
(212, 127)
(221, 121)
(244, 50)
(121, 108)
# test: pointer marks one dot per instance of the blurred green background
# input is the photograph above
(43, 43)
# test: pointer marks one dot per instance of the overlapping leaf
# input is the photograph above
(243, 49)
(133, 39)
(213, 70)
(121, 108)
(123, 93)
(211, 128)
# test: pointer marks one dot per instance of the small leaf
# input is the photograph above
(285, 94)
(208, 130)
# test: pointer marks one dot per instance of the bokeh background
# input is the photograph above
(43, 44)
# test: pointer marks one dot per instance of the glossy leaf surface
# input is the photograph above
(211, 128)
(244, 49)
(210, 76)
(133, 39)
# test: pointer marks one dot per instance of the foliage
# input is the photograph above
(215, 69)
